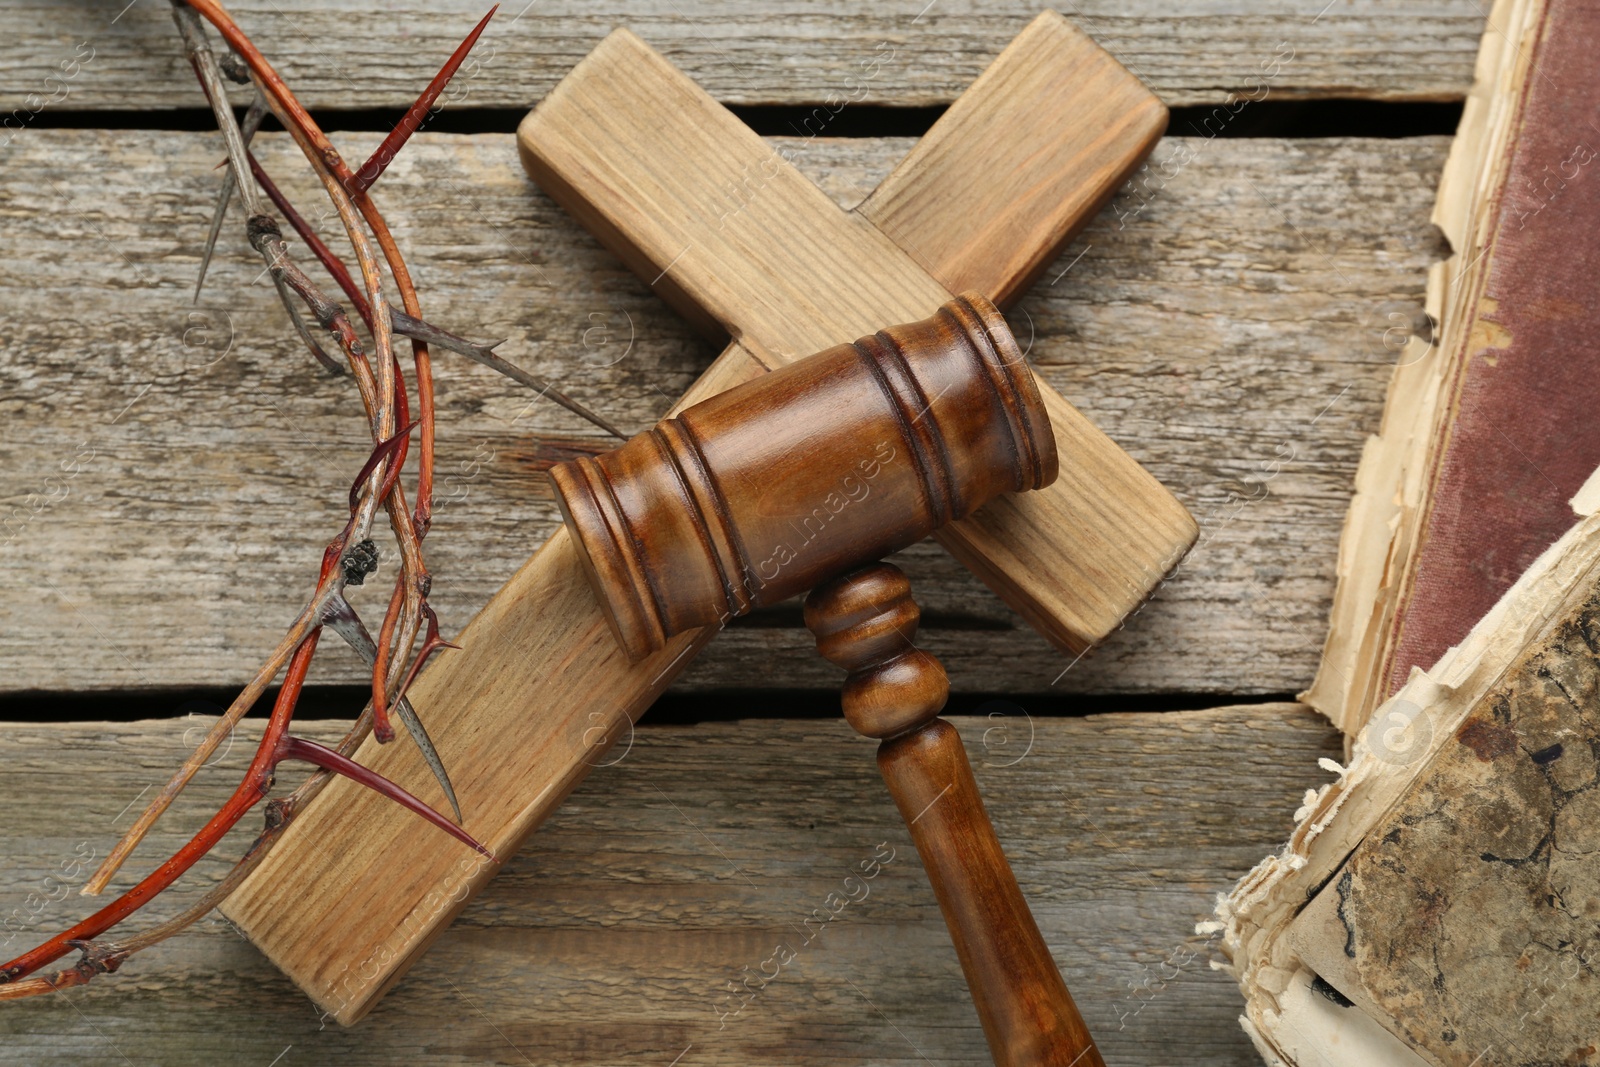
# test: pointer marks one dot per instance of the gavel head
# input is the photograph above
(845, 456)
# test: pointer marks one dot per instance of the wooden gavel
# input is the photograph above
(800, 478)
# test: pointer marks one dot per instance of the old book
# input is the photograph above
(1489, 425)
(1439, 902)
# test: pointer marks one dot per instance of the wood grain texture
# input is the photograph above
(1028, 1015)
(610, 938)
(754, 496)
(1223, 321)
(1052, 69)
(728, 231)
(758, 51)
(865, 621)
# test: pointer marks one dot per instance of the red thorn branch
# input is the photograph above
(405, 324)
(330, 262)
(430, 644)
(276, 746)
(409, 529)
(382, 386)
(382, 728)
(257, 780)
(383, 393)
(304, 127)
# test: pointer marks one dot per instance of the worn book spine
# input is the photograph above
(1487, 431)
(1521, 433)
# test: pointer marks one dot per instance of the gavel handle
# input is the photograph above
(864, 621)
(1027, 1013)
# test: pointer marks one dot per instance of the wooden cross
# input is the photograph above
(727, 231)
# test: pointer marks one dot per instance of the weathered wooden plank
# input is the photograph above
(612, 936)
(355, 53)
(1223, 322)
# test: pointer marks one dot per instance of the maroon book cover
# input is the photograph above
(1526, 434)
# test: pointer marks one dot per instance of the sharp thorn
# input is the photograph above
(369, 172)
(304, 331)
(342, 619)
(298, 748)
(381, 452)
(252, 122)
(425, 331)
(430, 755)
(217, 215)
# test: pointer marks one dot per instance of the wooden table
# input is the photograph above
(1223, 321)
